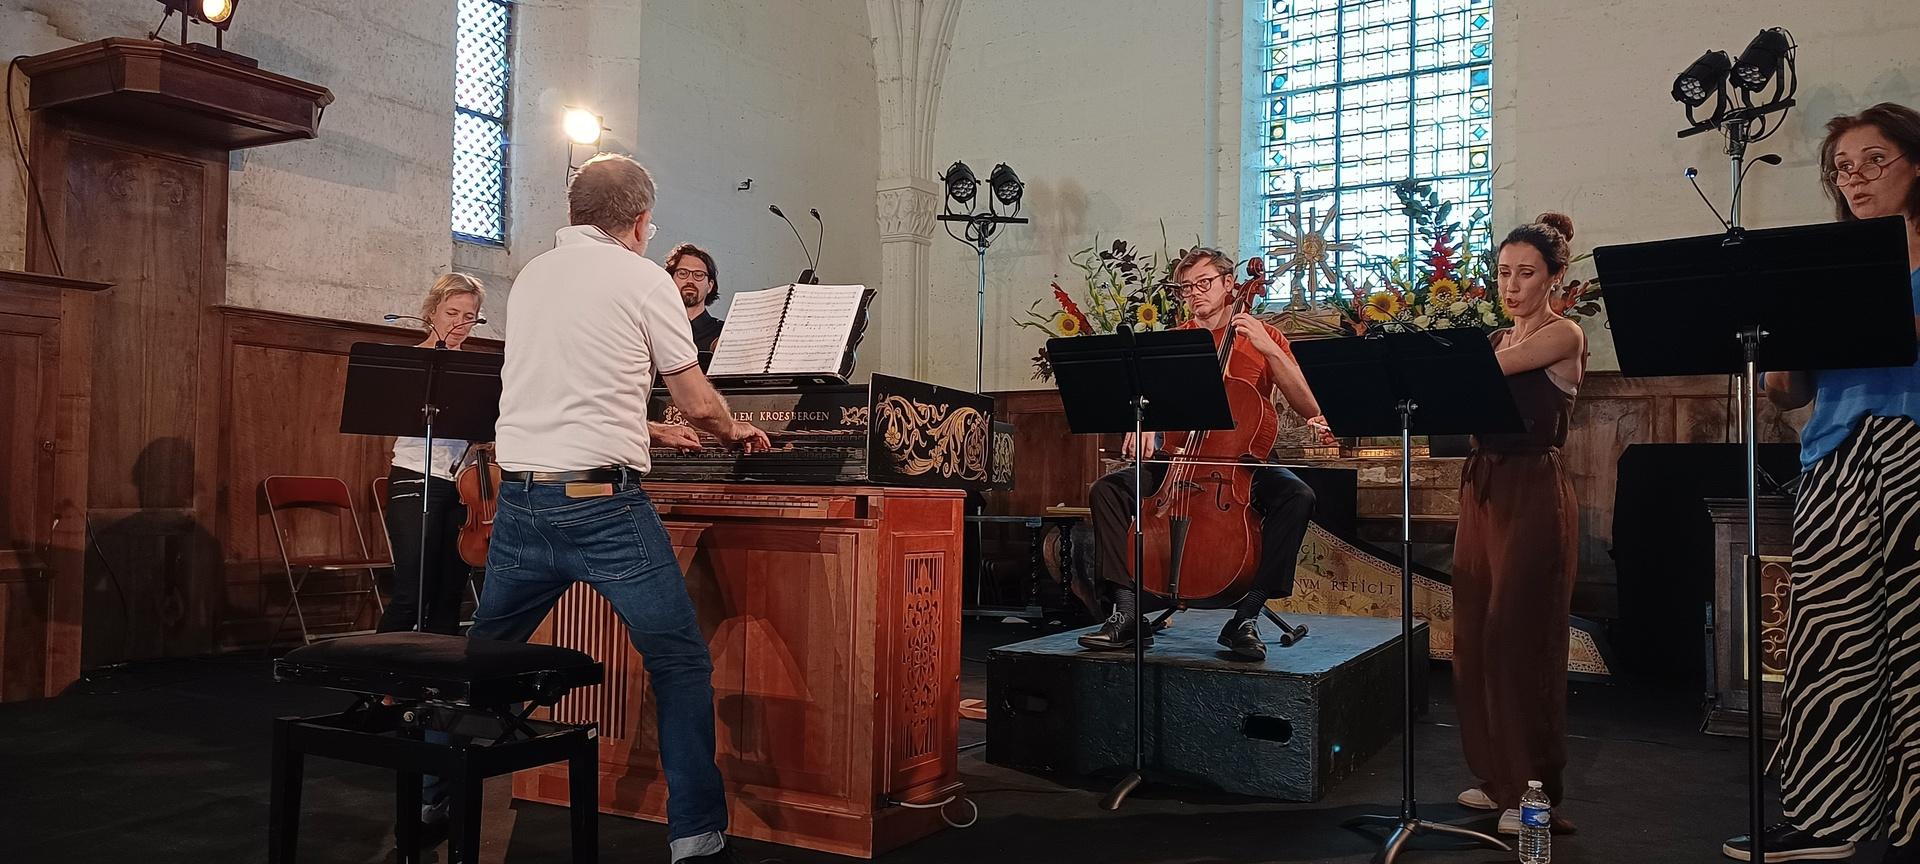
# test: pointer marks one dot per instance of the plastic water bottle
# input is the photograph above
(1536, 820)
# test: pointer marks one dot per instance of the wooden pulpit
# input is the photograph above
(130, 144)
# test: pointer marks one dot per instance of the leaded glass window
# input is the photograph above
(1359, 95)
(482, 80)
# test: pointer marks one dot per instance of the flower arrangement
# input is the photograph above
(1451, 283)
(1123, 287)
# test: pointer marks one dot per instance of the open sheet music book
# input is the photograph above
(791, 330)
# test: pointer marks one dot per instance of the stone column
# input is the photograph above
(911, 41)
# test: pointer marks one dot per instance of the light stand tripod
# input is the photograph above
(979, 231)
(1374, 386)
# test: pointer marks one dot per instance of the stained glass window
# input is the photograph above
(482, 79)
(1361, 94)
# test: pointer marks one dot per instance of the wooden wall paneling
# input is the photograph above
(279, 382)
(29, 379)
(1053, 465)
(45, 328)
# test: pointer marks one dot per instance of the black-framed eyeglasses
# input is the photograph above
(1865, 172)
(690, 275)
(1197, 285)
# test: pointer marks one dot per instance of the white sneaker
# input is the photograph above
(1476, 799)
(1510, 822)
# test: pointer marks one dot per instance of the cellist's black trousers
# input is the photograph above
(1284, 501)
(447, 573)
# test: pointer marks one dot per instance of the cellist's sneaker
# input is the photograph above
(1116, 633)
(1242, 637)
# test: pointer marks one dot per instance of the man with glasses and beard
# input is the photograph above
(698, 279)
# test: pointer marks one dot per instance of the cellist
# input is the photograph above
(1262, 357)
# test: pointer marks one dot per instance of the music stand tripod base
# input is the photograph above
(1406, 827)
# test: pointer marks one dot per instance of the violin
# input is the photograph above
(1201, 532)
(479, 486)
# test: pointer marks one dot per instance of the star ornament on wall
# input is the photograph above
(1306, 255)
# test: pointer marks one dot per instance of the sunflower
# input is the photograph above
(1066, 324)
(1147, 314)
(1383, 306)
(1443, 292)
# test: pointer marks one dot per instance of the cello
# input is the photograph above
(1201, 532)
(479, 487)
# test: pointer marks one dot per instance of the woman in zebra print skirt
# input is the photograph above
(1849, 755)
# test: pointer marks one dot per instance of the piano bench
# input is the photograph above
(436, 705)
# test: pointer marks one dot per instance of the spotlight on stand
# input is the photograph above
(1007, 187)
(961, 183)
(962, 206)
(217, 14)
(1762, 59)
(1702, 80)
(582, 128)
(1734, 87)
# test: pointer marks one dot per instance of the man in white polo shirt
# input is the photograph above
(592, 321)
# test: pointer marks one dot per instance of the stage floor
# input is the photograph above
(166, 763)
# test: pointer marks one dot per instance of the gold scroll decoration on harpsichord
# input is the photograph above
(925, 438)
(1334, 577)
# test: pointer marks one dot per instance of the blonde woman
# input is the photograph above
(450, 310)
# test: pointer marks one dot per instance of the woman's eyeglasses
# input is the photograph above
(1865, 172)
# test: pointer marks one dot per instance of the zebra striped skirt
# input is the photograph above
(1849, 755)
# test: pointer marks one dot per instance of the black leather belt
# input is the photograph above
(591, 475)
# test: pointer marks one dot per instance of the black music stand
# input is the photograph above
(404, 391)
(1146, 382)
(1756, 284)
(1443, 382)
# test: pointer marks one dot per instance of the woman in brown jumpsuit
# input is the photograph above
(1517, 547)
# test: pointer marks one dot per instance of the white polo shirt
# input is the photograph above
(589, 323)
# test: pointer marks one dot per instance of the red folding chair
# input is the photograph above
(297, 507)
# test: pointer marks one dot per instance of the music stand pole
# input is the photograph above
(1756, 749)
(1118, 794)
(1409, 822)
(427, 412)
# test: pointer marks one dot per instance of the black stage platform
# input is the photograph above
(1286, 728)
(166, 763)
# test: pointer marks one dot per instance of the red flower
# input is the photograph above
(1072, 308)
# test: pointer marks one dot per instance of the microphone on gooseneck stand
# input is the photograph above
(819, 242)
(1741, 184)
(439, 339)
(806, 276)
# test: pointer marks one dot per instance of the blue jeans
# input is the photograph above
(543, 542)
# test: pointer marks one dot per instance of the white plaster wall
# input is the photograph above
(705, 94)
(782, 93)
(354, 224)
(1585, 124)
(1103, 115)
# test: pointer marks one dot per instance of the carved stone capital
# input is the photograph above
(906, 207)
